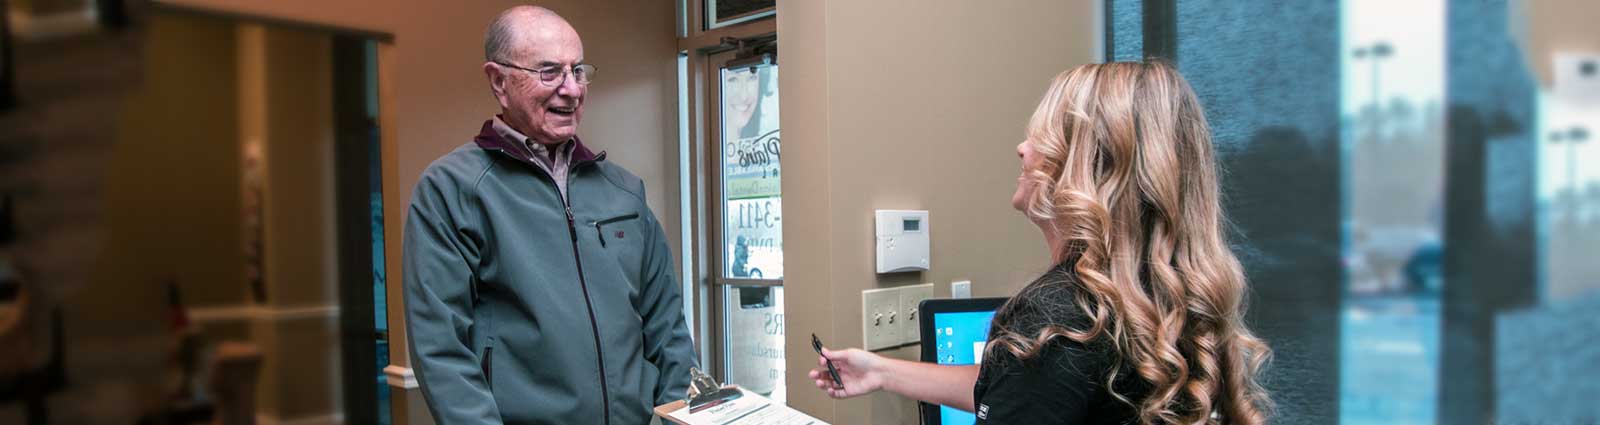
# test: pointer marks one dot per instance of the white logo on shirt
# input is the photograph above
(983, 411)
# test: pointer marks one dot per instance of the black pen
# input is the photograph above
(816, 344)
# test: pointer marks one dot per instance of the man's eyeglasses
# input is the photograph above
(552, 76)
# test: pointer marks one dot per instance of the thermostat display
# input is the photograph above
(902, 238)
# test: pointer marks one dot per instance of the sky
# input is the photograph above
(1415, 71)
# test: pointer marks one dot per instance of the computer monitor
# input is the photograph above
(954, 332)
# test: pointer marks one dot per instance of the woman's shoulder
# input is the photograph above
(1072, 373)
(1051, 300)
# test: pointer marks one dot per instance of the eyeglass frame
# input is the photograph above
(565, 71)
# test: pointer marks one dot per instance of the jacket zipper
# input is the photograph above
(602, 234)
(594, 325)
(488, 367)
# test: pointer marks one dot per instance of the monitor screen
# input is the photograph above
(958, 340)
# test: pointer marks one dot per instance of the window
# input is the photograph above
(1393, 70)
(722, 13)
(752, 198)
(1410, 211)
(751, 241)
(733, 196)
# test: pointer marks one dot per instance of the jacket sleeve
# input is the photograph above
(438, 278)
(666, 334)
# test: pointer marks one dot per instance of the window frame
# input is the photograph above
(705, 54)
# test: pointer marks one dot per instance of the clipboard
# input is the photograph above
(710, 403)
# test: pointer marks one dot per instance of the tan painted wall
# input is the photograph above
(908, 105)
(433, 94)
(1548, 26)
(173, 202)
(164, 218)
(184, 109)
(301, 264)
(287, 104)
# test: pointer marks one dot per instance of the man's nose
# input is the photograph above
(570, 87)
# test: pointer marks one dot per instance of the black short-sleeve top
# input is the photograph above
(1066, 382)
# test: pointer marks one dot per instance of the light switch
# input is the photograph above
(910, 298)
(880, 318)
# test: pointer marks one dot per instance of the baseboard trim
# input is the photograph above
(267, 419)
(400, 377)
(255, 312)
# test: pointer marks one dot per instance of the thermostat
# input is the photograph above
(902, 241)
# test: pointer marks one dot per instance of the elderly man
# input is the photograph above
(538, 284)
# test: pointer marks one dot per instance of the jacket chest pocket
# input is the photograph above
(621, 238)
(622, 229)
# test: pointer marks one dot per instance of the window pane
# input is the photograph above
(754, 352)
(1393, 88)
(720, 13)
(752, 208)
(752, 237)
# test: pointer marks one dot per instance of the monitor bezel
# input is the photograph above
(927, 310)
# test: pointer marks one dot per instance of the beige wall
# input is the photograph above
(1548, 26)
(873, 91)
(165, 219)
(287, 107)
(185, 108)
(173, 211)
(298, 147)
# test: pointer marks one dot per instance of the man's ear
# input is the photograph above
(497, 82)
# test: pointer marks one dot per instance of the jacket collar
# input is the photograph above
(490, 140)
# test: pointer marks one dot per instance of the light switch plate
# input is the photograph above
(910, 297)
(880, 318)
(961, 289)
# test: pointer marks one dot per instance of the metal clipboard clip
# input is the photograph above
(705, 393)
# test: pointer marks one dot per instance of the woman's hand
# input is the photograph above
(861, 371)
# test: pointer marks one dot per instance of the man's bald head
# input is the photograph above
(507, 36)
(532, 60)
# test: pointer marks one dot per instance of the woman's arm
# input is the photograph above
(864, 372)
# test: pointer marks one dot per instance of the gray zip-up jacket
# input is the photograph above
(526, 308)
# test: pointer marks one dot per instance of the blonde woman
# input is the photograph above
(1140, 321)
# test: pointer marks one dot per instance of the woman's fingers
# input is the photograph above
(852, 365)
(822, 379)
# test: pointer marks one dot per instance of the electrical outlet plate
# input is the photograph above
(910, 297)
(880, 318)
(961, 289)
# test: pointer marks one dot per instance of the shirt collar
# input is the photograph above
(489, 138)
(539, 150)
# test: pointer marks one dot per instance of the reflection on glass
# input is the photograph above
(1393, 68)
(752, 237)
(721, 13)
(754, 320)
(752, 208)
(1569, 194)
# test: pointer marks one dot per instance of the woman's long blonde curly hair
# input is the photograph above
(1129, 184)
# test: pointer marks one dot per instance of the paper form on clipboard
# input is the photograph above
(747, 409)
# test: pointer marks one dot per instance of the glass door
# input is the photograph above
(749, 214)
